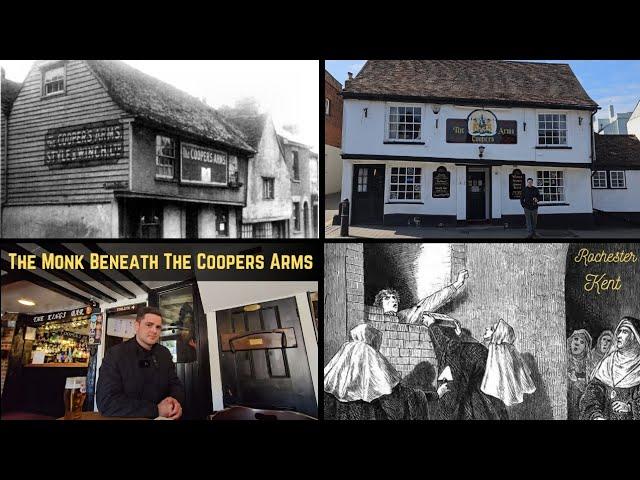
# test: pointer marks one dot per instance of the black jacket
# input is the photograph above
(528, 194)
(132, 380)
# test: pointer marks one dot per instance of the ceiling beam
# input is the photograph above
(97, 275)
(94, 247)
(63, 275)
(49, 285)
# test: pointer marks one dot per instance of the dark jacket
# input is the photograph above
(132, 380)
(467, 360)
(528, 194)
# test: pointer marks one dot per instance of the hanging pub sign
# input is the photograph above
(482, 126)
(82, 145)
(203, 165)
(441, 187)
(516, 184)
(74, 315)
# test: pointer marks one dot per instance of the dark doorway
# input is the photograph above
(184, 333)
(477, 191)
(191, 213)
(275, 378)
(368, 194)
(140, 218)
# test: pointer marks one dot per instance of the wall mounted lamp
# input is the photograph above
(435, 109)
(481, 150)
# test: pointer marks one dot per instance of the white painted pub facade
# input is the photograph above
(434, 162)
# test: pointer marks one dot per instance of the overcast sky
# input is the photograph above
(287, 89)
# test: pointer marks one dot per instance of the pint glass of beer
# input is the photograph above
(75, 392)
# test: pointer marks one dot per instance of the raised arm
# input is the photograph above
(434, 301)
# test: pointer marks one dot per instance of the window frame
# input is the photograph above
(559, 130)
(296, 217)
(624, 180)
(557, 187)
(606, 180)
(295, 165)
(268, 188)
(43, 86)
(174, 159)
(387, 123)
(398, 174)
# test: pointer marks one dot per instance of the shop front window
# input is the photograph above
(165, 157)
(405, 184)
(550, 183)
(178, 326)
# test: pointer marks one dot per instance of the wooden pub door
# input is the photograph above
(274, 378)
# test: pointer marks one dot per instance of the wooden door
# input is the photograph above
(274, 379)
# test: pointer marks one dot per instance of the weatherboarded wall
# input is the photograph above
(32, 185)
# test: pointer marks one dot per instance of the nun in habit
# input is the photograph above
(361, 384)
(603, 344)
(613, 392)
(506, 376)
(578, 368)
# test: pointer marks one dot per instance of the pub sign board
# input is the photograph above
(441, 186)
(482, 126)
(202, 165)
(83, 145)
(77, 314)
(516, 184)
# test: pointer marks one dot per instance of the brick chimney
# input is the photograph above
(612, 114)
(348, 80)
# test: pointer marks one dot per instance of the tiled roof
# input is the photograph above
(617, 151)
(490, 82)
(149, 98)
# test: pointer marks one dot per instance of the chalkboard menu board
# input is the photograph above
(516, 184)
(441, 187)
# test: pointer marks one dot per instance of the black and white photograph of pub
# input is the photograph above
(159, 149)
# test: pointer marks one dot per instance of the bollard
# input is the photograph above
(344, 218)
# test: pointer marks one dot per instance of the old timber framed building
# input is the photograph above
(100, 149)
(449, 142)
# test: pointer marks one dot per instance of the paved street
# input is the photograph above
(467, 232)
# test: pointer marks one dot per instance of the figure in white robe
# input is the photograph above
(506, 376)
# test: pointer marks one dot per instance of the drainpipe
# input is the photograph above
(593, 159)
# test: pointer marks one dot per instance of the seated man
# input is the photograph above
(138, 377)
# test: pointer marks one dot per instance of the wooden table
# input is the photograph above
(97, 416)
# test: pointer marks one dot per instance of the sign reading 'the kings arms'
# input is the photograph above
(86, 144)
(481, 126)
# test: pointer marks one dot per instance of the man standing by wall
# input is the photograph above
(529, 201)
